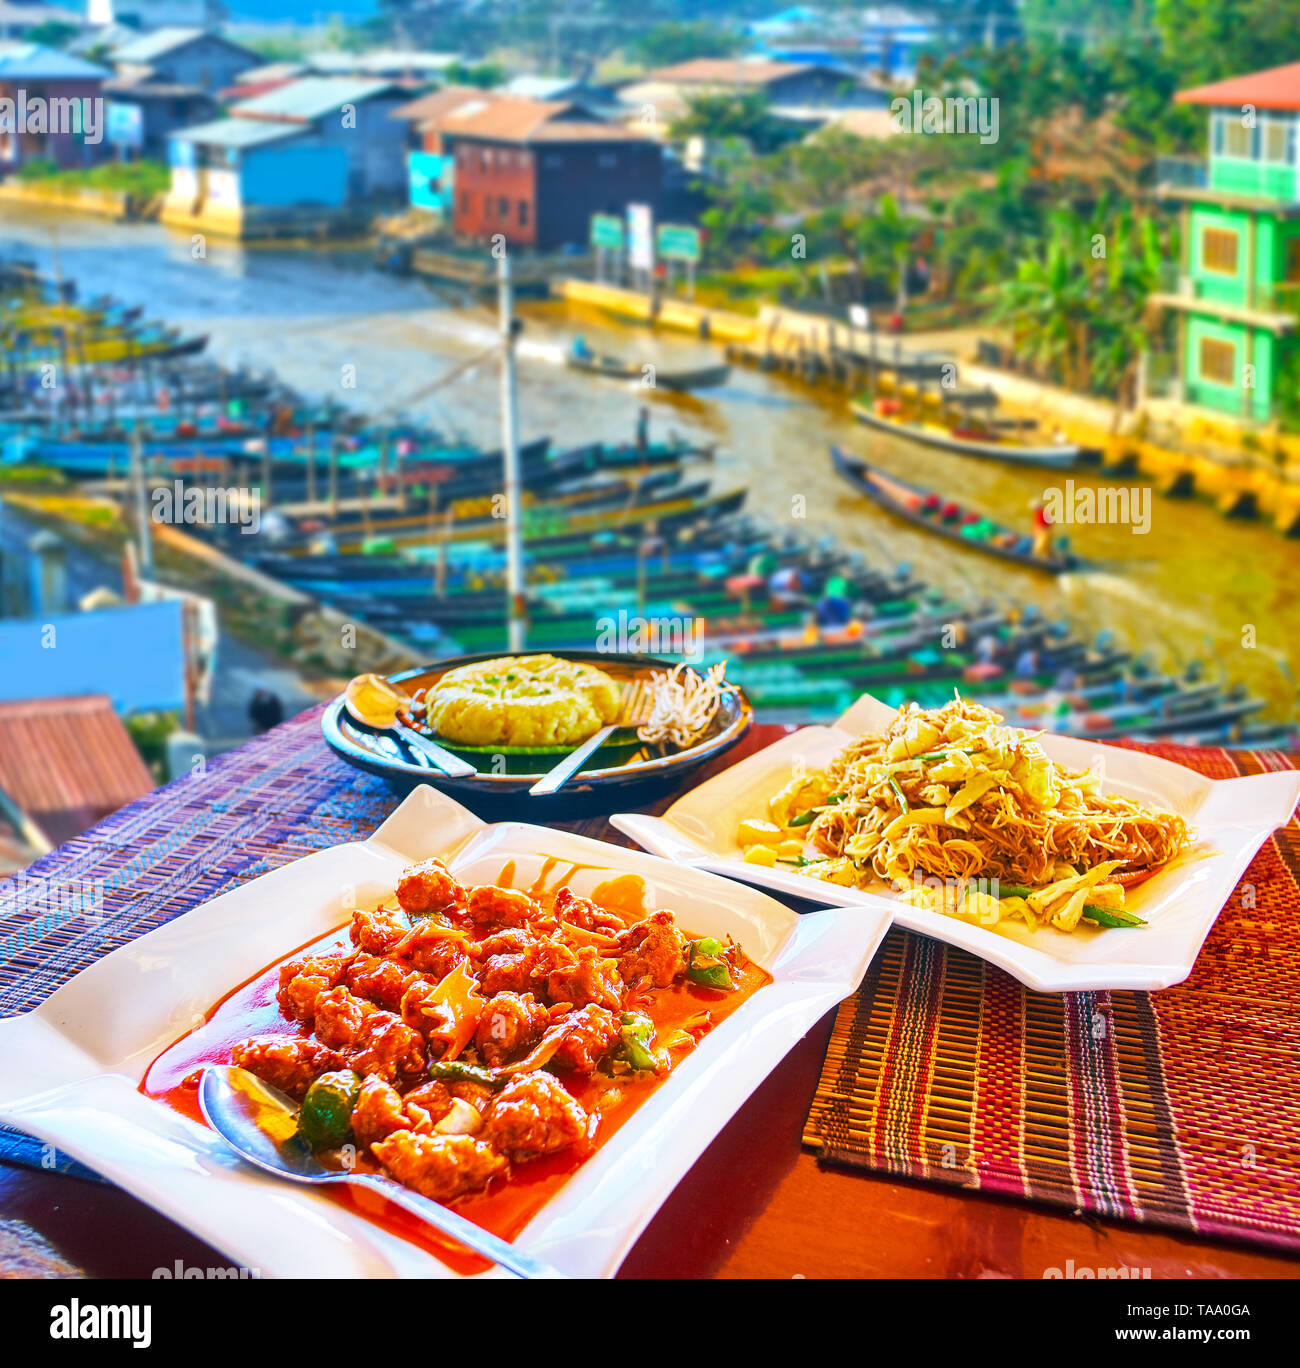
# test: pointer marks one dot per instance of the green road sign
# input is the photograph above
(677, 242)
(607, 231)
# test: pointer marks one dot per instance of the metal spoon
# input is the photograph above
(256, 1120)
(373, 701)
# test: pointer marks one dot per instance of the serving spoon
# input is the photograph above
(259, 1123)
(373, 701)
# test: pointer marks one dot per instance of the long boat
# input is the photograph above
(614, 368)
(992, 441)
(923, 508)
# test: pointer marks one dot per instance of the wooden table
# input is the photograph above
(755, 1205)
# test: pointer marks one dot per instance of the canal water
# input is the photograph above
(1192, 586)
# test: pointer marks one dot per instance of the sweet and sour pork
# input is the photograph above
(458, 1015)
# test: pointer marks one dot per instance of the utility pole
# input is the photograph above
(141, 501)
(515, 608)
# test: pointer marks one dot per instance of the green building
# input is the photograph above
(1236, 291)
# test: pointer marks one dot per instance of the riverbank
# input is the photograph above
(1184, 453)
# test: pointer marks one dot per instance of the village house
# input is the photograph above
(430, 165)
(187, 57)
(308, 153)
(1235, 294)
(535, 171)
(48, 109)
(803, 93)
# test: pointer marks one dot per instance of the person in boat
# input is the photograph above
(1042, 529)
(643, 429)
(265, 710)
(986, 649)
(1027, 663)
(834, 609)
(580, 349)
(787, 587)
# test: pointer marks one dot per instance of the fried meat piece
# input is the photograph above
(439, 1166)
(534, 1114)
(652, 951)
(286, 1062)
(380, 1110)
(510, 1022)
(588, 1038)
(373, 1041)
(492, 906)
(585, 913)
(379, 931)
(580, 976)
(303, 981)
(381, 981)
(429, 887)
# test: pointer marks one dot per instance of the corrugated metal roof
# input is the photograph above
(311, 97)
(67, 762)
(509, 117)
(149, 46)
(33, 62)
(434, 106)
(238, 133)
(1276, 88)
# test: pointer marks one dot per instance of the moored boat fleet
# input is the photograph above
(628, 546)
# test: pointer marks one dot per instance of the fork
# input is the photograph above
(633, 709)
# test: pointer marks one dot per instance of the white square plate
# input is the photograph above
(1231, 818)
(70, 1070)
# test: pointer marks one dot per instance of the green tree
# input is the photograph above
(725, 116)
(666, 44)
(1213, 39)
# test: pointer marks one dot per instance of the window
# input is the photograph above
(523, 213)
(503, 207)
(1277, 141)
(1238, 140)
(1219, 251)
(1218, 361)
(464, 201)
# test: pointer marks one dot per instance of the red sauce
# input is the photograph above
(506, 1205)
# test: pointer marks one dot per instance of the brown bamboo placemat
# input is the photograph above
(1179, 1108)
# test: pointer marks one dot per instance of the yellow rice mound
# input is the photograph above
(522, 701)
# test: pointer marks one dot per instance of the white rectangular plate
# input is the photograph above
(1232, 818)
(70, 1070)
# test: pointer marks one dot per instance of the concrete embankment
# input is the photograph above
(1244, 473)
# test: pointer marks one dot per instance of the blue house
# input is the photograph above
(318, 144)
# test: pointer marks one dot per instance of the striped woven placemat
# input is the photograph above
(278, 797)
(1178, 1108)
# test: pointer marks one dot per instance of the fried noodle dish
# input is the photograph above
(972, 819)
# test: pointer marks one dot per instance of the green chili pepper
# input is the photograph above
(798, 861)
(803, 818)
(325, 1118)
(458, 1071)
(834, 798)
(1014, 890)
(704, 965)
(898, 793)
(1110, 916)
(637, 1035)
